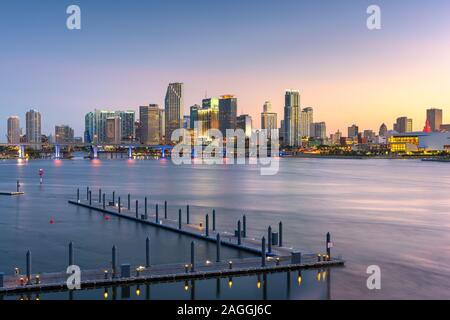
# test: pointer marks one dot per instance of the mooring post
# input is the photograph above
(28, 267)
(114, 198)
(78, 195)
(120, 209)
(145, 208)
(137, 209)
(269, 239)
(104, 201)
(114, 261)
(87, 193)
(129, 202)
(18, 186)
(2, 275)
(157, 214)
(165, 209)
(99, 195)
(192, 256)
(329, 245)
(244, 225)
(239, 233)
(71, 253)
(218, 243)
(263, 252)
(179, 219)
(90, 198)
(187, 214)
(207, 225)
(280, 234)
(214, 220)
(147, 252)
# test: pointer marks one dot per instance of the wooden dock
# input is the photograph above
(13, 193)
(160, 273)
(228, 239)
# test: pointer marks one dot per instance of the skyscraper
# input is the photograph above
(64, 134)
(13, 130)
(353, 131)
(127, 119)
(383, 130)
(269, 119)
(227, 113)
(306, 119)
(113, 130)
(33, 129)
(403, 125)
(291, 117)
(245, 123)
(150, 124)
(193, 114)
(174, 105)
(318, 130)
(434, 117)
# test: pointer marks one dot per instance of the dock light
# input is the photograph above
(105, 294)
(139, 270)
(38, 279)
(278, 261)
(318, 275)
(16, 271)
(230, 283)
(208, 262)
(38, 298)
(319, 256)
(138, 291)
(299, 279)
(21, 280)
(258, 283)
(230, 264)
(186, 286)
(106, 274)
(186, 268)
(327, 258)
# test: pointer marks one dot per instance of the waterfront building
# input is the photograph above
(269, 119)
(173, 107)
(193, 114)
(318, 130)
(291, 118)
(335, 138)
(208, 116)
(383, 130)
(64, 134)
(150, 124)
(306, 119)
(353, 131)
(127, 119)
(434, 116)
(419, 142)
(403, 125)
(34, 129)
(95, 126)
(227, 113)
(244, 122)
(369, 136)
(113, 130)
(13, 134)
(187, 122)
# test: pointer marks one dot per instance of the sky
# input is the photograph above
(128, 51)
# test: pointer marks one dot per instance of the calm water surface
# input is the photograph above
(390, 213)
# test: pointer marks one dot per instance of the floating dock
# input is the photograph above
(13, 193)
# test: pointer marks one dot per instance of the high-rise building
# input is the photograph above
(174, 105)
(318, 130)
(187, 122)
(336, 138)
(64, 134)
(113, 130)
(353, 131)
(193, 114)
(150, 124)
(127, 119)
(207, 116)
(403, 125)
(291, 117)
(369, 136)
(269, 119)
(13, 130)
(383, 130)
(245, 123)
(227, 113)
(306, 119)
(434, 117)
(34, 129)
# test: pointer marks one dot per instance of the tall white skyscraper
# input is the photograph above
(13, 130)
(34, 129)
(173, 109)
(269, 119)
(306, 119)
(291, 118)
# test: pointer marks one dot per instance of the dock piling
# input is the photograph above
(145, 208)
(165, 210)
(192, 256)
(120, 209)
(280, 234)
(129, 202)
(187, 214)
(71, 256)
(87, 193)
(179, 219)
(263, 252)
(239, 233)
(78, 195)
(137, 209)
(104, 201)
(99, 195)
(207, 225)
(18, 186)
(218, 244)
(114, 198)
(2, 276)
(244, 225)
(214, 220)
(90, 198)
(28, 267)
(147, 252)
(269, 239)
(329, 245)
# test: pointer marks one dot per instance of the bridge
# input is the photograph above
(93, 147)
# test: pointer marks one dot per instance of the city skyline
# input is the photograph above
(344, 71)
